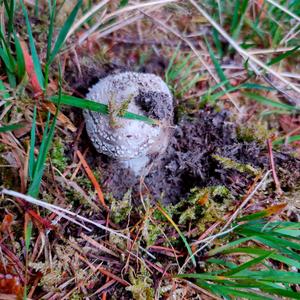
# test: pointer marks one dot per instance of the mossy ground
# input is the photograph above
(216, 158)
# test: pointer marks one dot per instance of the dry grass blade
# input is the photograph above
(247, 199)
(98, 245)
(284, 9)
(92, 11)
(93, 179)
(197, 53)
(119, 12)
(120, 24)
(253, 61)
(64, 213)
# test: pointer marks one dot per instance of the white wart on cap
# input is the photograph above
(131, 141)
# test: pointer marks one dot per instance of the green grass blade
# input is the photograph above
(264, 276)
(123, 3)
(12, 127)
(290, 139)
(6, 54)
(260, 251)
(237, 27)
(35, 57)
(217, 42)
(40, 164)
(282, 56)
(171, 64)
(3, 91)
(51, 7)
(228, 246)
(283, 242)
(248, 264)
(10, 10)
(20, 58)
(217, 65)
(269, 102)
(164, 212)
(240, 294)
(178, 69)
(32, 162)
(28, 234)
(44, 148)
(64, 31)
(98, 107)
(271, 276)
(235, 16)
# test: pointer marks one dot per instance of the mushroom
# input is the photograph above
(132, 142)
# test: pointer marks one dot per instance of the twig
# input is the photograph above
(247, 199)
(63, 213)
(93, 179)
(272, 164)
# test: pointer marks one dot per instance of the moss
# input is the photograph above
(58, 157)
(116, 111)
(203, 205)
(76, 199)
(76, 296)
(254, 133)
(120, 210)
(141, 285)
(120, 242)
(150, 232)
(84, 182)
(231, 164)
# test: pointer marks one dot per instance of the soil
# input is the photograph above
(189, 160)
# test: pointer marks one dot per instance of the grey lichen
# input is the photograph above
(131, 141)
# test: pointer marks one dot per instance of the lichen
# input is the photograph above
(231, 164)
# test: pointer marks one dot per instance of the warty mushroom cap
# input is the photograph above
(129, 140)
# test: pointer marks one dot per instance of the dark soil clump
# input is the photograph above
(191, 160)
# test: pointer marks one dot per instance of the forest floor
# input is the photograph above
(217, 217)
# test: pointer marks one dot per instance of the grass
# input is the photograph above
(238, 55)
(256, 278)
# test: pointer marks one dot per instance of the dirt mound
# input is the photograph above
(204, 151)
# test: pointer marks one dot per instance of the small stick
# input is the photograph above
(272, 164)
(93, 179)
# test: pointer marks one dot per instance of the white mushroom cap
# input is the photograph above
(131, 139)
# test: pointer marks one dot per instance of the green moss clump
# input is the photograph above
(231, 164)
(258, 133)
(76, 296)
(117, 110)
(58, 157)
(150, 232)
(120, 209)
(203, 205)
(141, 285)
